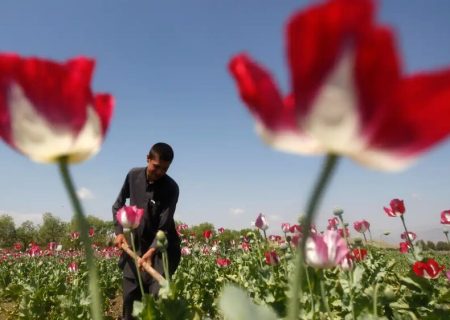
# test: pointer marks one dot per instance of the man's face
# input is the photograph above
(156, 168)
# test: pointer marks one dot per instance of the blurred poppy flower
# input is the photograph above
(429, 269)
(349, 95)
(404, 247)
(325, 251)
(295, 228)
(48, 110)
(261, 222)
(361, 226)
(411, 235)
(285, 227)
(129, 216)
(185, 251)
(445, 217)
(272, 258)
(396, 209)
(333, 223)
(207, 234)
(73, 266)
(359, 254)
(223, 262)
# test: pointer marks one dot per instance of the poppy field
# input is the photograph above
(232, 277)
(348, 96)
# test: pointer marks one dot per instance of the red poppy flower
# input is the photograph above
(359, 254)
(48, 110)
(348, 95)
(429, 269)
(397, 208)
(361, 226)
(223, 262)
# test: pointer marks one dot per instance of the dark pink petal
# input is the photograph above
(104, 105)
(260, 93)
(419, 115)
(316, 39)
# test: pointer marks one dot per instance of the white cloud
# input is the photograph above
(85, 193)
(237, 211)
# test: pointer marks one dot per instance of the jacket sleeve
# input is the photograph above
(120, 202)
(166, 216)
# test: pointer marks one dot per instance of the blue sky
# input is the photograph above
(166, 64)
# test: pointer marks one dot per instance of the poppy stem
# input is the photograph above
(407, 237)
(96, 305)
(319, 188)
(141, 287)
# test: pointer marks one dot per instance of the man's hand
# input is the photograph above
(119, 240)
(147, 257)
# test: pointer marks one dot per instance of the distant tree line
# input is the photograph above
(52, 229)
(430, 245)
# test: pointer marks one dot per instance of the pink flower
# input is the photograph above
(448, 275)
(48, 110)
(348, 94)
(325, 251)
(272, 258)
(397, 208)
(221, 230)
(285, 227)
(445, 217)
(245, 246)
(35, 250)
(74, 235)
(261, 222)
(404, 247)
(333, 223)
(341, 232)
(411, 235)
(91, 232)
(51, 246)
(295, 228)
(18, 246)
(223, 262)
(429, 269)
(206, 250)
(274, 238)
(129, 216)
(73, 267)
(185, 251)
(361, 226)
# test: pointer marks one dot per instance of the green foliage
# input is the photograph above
(7, 231)
(53, 229)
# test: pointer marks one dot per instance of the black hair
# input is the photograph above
(163, 150)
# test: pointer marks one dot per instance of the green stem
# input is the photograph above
(327, 170)
(96, 305)
(375, 300)
(310, 290)
(324, 298)
(166, 265)
(446, 235)
(136, 264)
(407, 237)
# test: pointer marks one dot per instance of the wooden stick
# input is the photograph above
(146, 266)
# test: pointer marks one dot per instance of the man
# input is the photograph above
(151, 189)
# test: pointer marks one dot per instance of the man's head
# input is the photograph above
(158, 160)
